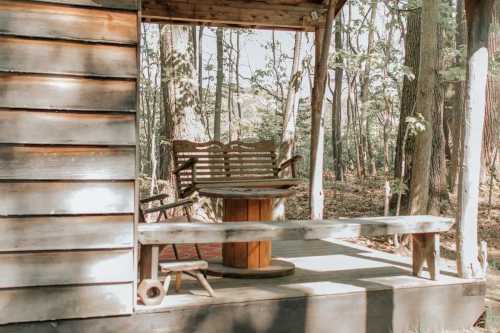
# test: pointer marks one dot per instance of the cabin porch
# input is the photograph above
(337, 286)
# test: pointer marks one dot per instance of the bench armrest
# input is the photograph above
(186, 165)
(180, 203)
(154, 198)
(290, 163)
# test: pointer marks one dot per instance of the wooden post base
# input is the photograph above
(426, 248)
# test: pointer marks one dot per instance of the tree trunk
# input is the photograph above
(366, 148)
(438, 189)
(478, 15)
(219, 83)
(289, 114)
(459, 101)
(408, 101)
(338, 165)
(426, 101)
(323, 41)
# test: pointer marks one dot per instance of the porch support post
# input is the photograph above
(322, 42)
(478, 14)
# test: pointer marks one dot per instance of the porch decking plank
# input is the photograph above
(179, 233)
(66, 233)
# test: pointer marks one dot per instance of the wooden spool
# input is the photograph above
(151, 292)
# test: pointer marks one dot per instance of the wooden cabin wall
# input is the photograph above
(68, 71)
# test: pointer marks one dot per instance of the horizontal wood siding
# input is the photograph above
(60, 268)
(66, 233)
(52, 21)
(48, 303)
(66, 128)
(65, 163)
(68, 79)
(53, 57)
(49, 197)
(113, 4)
(66, 93)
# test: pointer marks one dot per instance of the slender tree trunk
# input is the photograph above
(289, 114)
(219, 83)
(438, 189)
(408, 101)
(426, 101)
(323, 41)
(200, 67)
(459, 102)
(338, 164)
(237, 74)
(365, 94)
(478, 15)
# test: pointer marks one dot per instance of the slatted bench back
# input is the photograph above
(235, 161)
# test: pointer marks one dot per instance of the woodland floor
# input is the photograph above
(354, 198)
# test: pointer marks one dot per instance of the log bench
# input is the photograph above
(236, 164)
(424, 230)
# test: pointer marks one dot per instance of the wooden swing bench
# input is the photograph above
(424, 230)
(236, 164)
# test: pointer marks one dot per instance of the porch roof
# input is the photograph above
(298, 15)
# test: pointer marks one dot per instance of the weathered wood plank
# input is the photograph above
(67, 58)
(60, 268)
(249, 231)
(66, 163)
(39, 127)
(241, 13)
(58, 93)
(112, 4)
(66, 233)
(48, 303)
(30, 19)
(49, 198)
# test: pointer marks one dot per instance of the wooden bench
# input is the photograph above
(425, 231)
(236, 164)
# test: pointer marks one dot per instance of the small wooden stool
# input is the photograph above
(192, 268)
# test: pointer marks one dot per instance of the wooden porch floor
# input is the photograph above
(370, 283)
(337, 287)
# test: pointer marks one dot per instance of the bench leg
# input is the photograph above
(203, 281)
(149, 262)
(426, 248)
(178, 281)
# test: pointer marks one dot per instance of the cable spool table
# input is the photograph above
(250, 259)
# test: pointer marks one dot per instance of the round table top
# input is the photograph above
(245, 193)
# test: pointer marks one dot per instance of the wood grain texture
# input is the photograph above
(179, 233)
(61, 268)
(49, 198)
(66, 233)
(67, 58)
(66, 163)
(58, 93)
(66, 128)
(240, 13)
(48, 303)
(113, 4)
(36, 19)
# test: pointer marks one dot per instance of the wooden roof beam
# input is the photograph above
(300, 15)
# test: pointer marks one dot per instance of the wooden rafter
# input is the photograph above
(299, 15)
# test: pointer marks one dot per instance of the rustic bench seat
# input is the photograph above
(236, 164)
